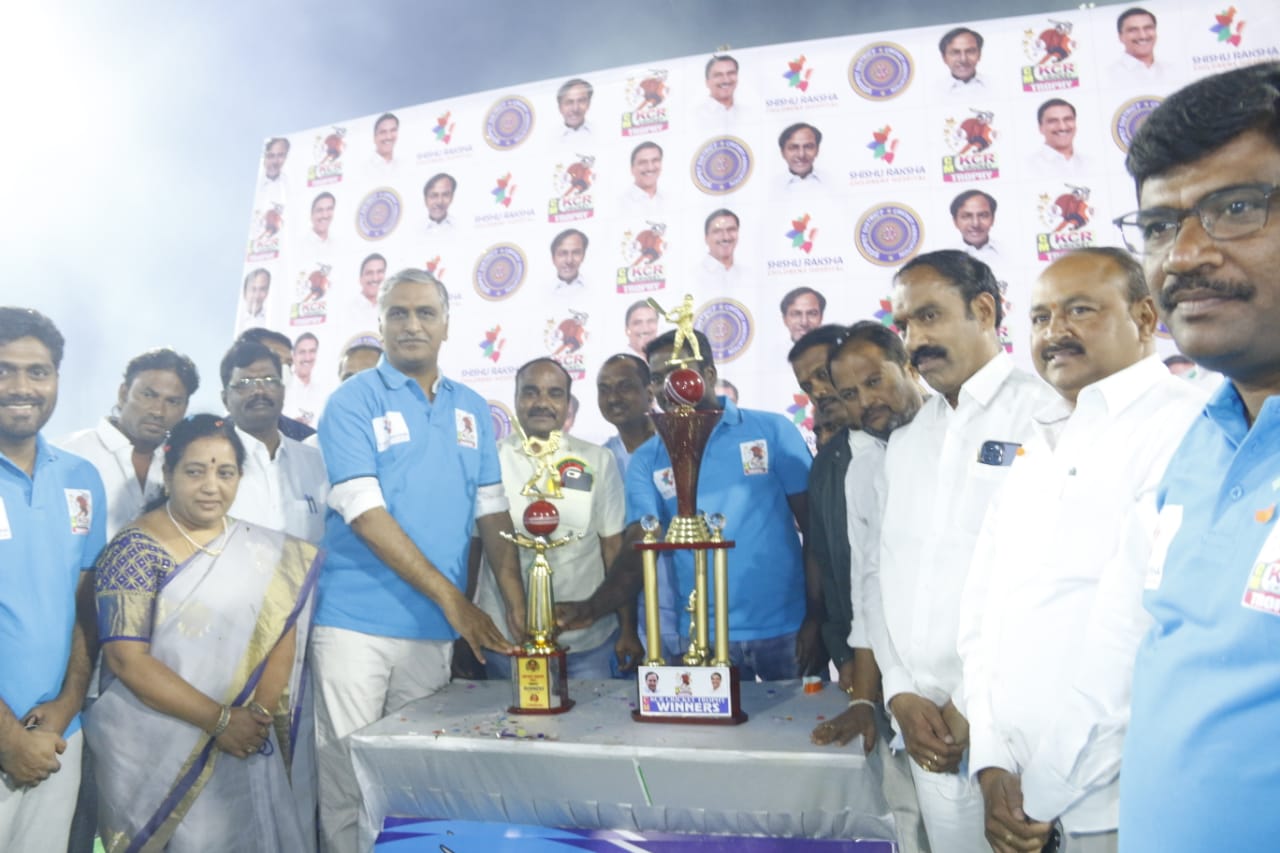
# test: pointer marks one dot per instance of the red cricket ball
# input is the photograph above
(541, 518)
(685, 387)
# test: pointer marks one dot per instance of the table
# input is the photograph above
(459, 754)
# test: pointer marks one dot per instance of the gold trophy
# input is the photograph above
(539, 671)
(704, 688)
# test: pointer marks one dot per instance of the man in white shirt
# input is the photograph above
(126, 446)
(641, 323)
(871, 374)
(253, 308)
(574, 99)
(719, 273)
(721, 75)
(568, 251)
(1064, 550)
(272, 184)
(304, 397)
(437, 195)
(1136, 28)
(961, 50)
(1058, 156)
(361, 314)
(941, 471)
(322, 207)
(284, 485)
(642, 197)
(386, 130)
(592, 503)
(973, 212)
(800, 144)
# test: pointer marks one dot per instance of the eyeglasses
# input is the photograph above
(270, 383)
(1226, 214)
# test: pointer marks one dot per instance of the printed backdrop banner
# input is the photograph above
(552, 210)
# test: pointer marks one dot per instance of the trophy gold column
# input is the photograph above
(703, 686)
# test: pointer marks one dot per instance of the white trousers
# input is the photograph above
(900, 794)
(39, 818)
(951, 806)
(360, 678)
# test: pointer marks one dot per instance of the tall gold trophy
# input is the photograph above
(539, 671)
(703, 686)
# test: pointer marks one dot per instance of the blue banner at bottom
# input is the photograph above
(415, 835)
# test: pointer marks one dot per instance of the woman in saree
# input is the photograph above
(203, 623)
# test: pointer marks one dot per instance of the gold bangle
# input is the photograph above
(259, 708)
(224, 720)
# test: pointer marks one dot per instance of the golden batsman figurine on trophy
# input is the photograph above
(703, 687)
(539, 674)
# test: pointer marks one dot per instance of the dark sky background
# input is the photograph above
(133, 132)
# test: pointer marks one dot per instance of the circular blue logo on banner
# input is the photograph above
(1129, 117)
(722, 165)
(881, 71)
(889, 234)
(727, 324)
(501, 417)
(509, 123)
(379, 214)
(500, 271)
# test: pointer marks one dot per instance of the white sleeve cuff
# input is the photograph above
(491, 499)
(353, 498)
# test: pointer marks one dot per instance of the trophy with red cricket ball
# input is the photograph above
(704, 686)
(539, 672)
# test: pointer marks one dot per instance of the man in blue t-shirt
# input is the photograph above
(755, 471)
(53, 517)
(413, 468)
(1199, 770)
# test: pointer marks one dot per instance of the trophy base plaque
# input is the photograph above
(540, 683)
(704, 695)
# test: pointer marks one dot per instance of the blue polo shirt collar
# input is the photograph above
(732, 415)
(394, 379)
(1226, 410)
(46, 453)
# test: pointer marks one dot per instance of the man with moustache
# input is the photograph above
(642, 198)
(802, 311)
(257, 284)
(568, 251)
(1058, 157)
(392, 592)
(437, 195)
(1199, 772)
(322, 207)
(280, 344)
(52, 526)
(1136, 28)
(592, 504)
(941, 471)
(721, 75)
(754, 470)
(573, 100)
(719, 273)
(361, 314)
(800, 144)
(961, 50)
(304, 397)
(973, 212)
(824, 632)
(386, 130)
(1057, 572)
(272, 185)
(870, 372)
(283, 484)
(641, 324)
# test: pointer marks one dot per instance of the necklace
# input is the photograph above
(187, 536)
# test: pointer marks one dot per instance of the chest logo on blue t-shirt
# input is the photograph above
(666, 483)
(755, 456)
(390, 429)
(80, 507)
(1262, 591)
(466, 425)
